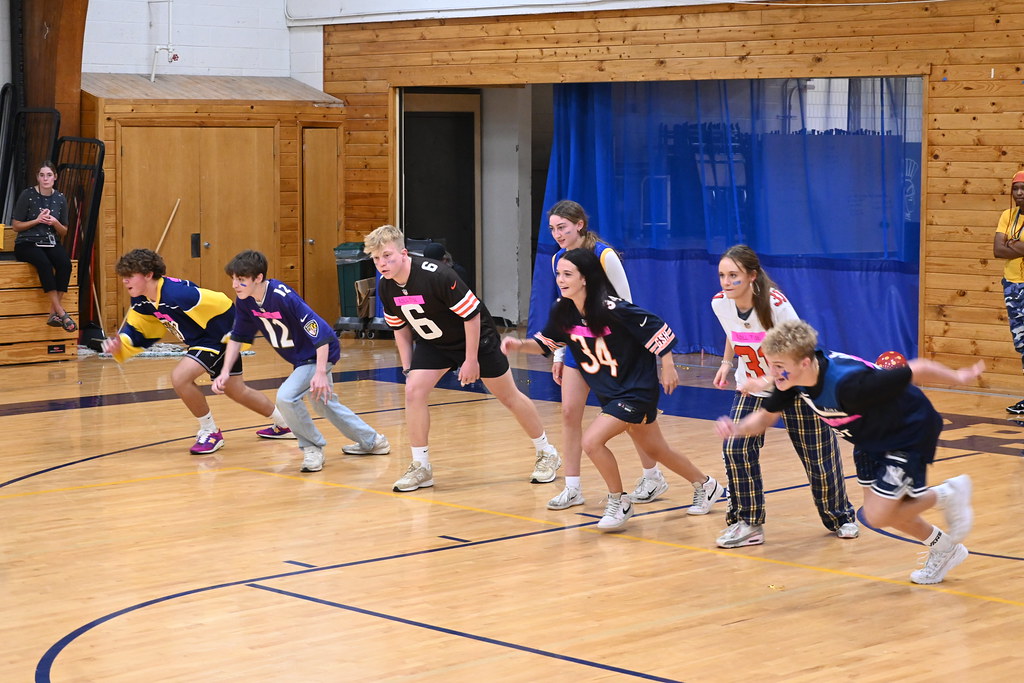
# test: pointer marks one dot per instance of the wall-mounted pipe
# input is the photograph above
(172, 56)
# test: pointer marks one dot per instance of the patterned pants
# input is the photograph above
(1013, 295)
(817, 449)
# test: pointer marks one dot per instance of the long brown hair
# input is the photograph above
(574, 213)
(746, 258)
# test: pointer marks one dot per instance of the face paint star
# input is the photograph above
(785, 374)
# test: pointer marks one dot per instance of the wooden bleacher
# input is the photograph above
(24, 335)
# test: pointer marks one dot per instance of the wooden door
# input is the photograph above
(321, 219)
(157, 169)
(237, 172)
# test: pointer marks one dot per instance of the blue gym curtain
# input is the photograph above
(821, 178)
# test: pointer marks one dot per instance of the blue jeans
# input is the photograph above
(290, 403)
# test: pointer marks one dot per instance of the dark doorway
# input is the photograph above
(440, 184)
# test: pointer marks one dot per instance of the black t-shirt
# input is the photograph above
(436, 304)
(28, 207)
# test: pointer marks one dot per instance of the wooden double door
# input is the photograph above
(226, 180)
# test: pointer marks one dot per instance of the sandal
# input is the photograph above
(67, 323)
(54, 321)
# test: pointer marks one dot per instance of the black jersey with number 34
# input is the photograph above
(622, 360)
(435, 303)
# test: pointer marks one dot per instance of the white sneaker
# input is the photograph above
(569, 496)
(705, 495)
(938, 564)
(741, 534)
(648, 489)
(957, 507)
(618, 509)
(416, 477)
(312, 459)
(848, 530)
(380, 446)
(545, 469)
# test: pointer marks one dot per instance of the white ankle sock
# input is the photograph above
(421, 455)
(937, 540)
(278, 418)
(206, 422)
(572, 482)
(541, 442)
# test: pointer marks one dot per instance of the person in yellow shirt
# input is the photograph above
(1007, 245)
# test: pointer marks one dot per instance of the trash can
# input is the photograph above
(353, 265)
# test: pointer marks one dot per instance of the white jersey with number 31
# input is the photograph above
(746, 335)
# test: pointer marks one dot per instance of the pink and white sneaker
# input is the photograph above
(275, 432)
(207, 442)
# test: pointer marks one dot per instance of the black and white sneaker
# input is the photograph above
(1017, 408)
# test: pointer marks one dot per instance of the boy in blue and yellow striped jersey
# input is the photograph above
(201, 319)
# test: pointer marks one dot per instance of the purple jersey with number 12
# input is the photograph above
(288, 323)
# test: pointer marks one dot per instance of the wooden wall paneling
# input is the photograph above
(54, 32)
(968, 51)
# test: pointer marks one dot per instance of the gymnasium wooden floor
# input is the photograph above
(126, 559)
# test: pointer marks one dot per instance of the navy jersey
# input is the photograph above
(436, 304)
(876, 409)
(201, 318)
(623, 360)
(289, 324)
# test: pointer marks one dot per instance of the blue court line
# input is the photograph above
(464, 634)
(300, 564)
(228, 431)
(45, 664)
(453, 538)
(914, 541)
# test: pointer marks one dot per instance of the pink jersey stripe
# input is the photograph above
(584, 331)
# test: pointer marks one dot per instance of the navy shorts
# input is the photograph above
(493, 363)
(631, 409)
(213, 360)
(897, 473)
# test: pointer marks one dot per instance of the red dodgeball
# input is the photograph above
(891, 359)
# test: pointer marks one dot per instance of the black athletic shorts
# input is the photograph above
(493, 363)
(212, 360)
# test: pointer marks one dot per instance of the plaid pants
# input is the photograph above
(817, 449)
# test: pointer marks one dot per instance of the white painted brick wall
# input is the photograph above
(307, 54)
(210, 37)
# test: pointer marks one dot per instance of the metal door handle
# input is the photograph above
(312, 241)
(206, 244)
